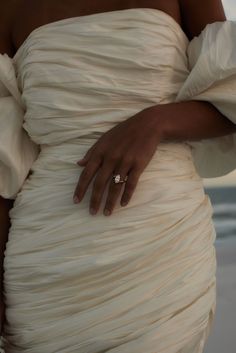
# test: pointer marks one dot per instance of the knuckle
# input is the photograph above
(127, 160)
(111, 158)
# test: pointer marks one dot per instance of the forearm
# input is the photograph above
(192, 120)
(5, 206)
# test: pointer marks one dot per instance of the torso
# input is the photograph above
(33, 14)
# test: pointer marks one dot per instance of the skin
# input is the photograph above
(165, 122)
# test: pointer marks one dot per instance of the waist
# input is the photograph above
(170, 158)
(169, 181)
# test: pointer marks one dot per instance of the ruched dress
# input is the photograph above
(142, 280)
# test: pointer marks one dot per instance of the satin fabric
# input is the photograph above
(143, 279)
(17, 151)
(212, 78)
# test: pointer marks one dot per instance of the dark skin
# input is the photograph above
(38, 12)
(166, 122)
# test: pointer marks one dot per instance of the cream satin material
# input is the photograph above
(143, 279)
(212, 61)
(17, 151)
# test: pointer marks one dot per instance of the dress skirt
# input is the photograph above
(140, 280)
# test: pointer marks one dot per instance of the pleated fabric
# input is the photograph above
(17, 151)
(212, 78)
(143, 279)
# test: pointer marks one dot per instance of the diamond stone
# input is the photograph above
(117, 178)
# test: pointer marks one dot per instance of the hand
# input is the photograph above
(126, 149)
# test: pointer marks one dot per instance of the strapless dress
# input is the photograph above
(142, 280)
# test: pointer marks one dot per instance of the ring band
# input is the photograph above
(117, 179)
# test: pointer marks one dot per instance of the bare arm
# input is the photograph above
(196, 14)
(206, 121)
(175, 124)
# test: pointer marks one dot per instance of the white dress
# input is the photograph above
(142, 280)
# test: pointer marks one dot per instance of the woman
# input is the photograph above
(102, 82)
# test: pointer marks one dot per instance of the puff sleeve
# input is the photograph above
(212, 78)
(17, 151)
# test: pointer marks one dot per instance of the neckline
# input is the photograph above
(74, 18)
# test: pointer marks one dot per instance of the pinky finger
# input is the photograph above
(130, 186)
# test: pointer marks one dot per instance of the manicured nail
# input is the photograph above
(107, 212)
(76, 199)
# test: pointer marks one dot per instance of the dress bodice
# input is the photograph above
(80, 76)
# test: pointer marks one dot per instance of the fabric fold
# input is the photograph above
(142, 279)
(17, 151)
(212, 78)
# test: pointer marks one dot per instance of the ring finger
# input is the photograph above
(115, 189)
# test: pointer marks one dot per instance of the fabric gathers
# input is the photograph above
(212, 78)
(143, 279)
(17, 151)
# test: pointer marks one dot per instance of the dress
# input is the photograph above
(143, 279)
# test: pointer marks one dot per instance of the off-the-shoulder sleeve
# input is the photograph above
(17, 151)
(212, 78)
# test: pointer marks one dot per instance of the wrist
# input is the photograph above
(189, 121)
(157, 116)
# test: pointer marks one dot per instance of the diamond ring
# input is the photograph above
(117, 179)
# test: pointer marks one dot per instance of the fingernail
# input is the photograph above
(124, 203)
(92, 211)
(76, 199)
(107, 212)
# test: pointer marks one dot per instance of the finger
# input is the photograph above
(99, 185)
(85, 178)
(115, 190)
(130, 185)
(82, 162)
(86, 157)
